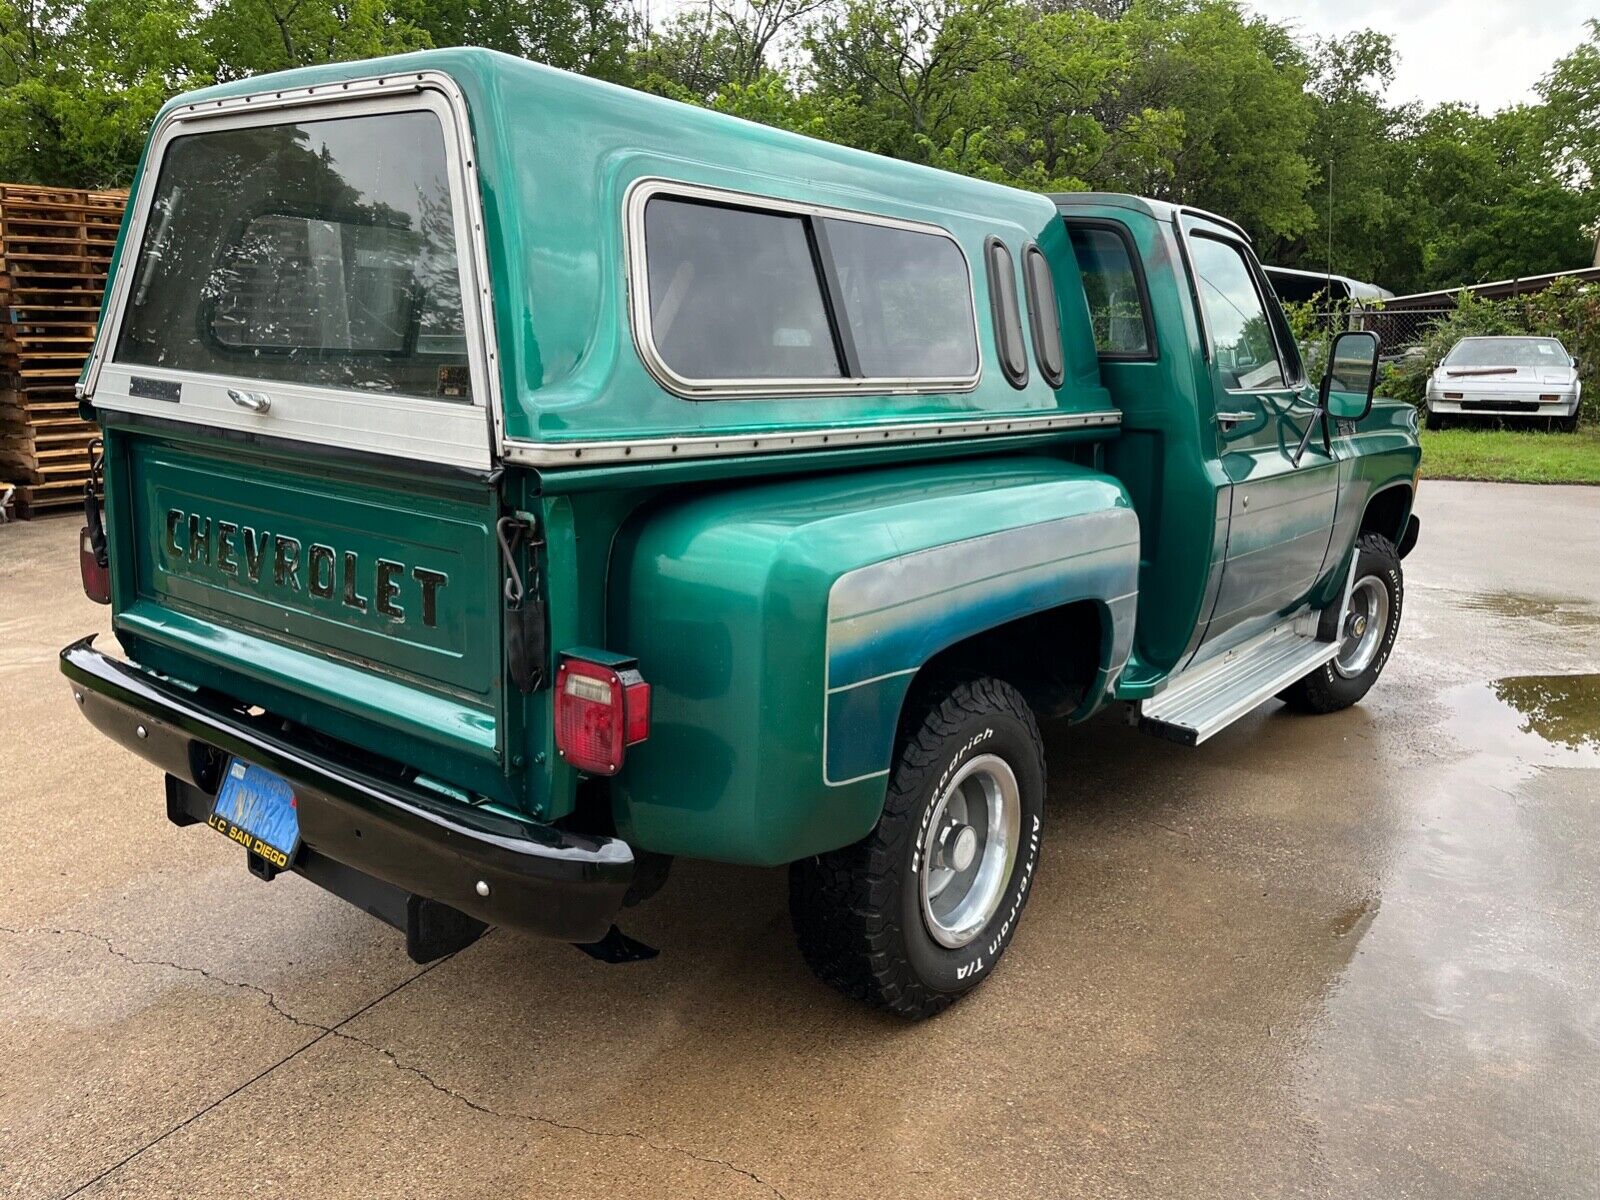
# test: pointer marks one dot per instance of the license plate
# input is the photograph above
(257, 809)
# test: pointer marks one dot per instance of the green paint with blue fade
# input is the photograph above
(725, 599)
(217, 581)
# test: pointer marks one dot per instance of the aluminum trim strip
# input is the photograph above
(722, 445)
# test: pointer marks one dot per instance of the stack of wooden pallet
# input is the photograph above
(55, 249)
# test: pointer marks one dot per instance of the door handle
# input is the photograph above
(1226, 419)
(256, 402)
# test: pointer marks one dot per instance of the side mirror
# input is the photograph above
(1352, 375)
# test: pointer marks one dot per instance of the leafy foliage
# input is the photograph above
(1196, 101)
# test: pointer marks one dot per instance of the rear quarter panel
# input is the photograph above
(782, 625)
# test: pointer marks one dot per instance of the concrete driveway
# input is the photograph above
(1346, 956)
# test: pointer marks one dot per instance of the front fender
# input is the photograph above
(780, 626)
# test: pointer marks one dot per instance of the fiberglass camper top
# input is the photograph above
(534, 259)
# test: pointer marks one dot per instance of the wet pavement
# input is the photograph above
(1355, 955)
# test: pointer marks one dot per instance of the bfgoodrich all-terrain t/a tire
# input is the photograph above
(918, 912)
(1376, 600)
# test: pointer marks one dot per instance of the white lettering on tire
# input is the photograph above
(1003, 934)
(938, 790)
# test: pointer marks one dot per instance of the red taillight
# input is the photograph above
(636, 705)
(96, 574)
(601, 710)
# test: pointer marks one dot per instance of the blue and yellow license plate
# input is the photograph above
(257, 809)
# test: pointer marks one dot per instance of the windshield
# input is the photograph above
(1508, 352)
(319, 252)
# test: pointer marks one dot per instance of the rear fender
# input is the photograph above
(782, 625)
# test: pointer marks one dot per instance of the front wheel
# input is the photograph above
(1568, 424)
(1367, 637)
(1434, 420)
(918, 912)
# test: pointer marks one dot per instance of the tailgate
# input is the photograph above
(294, 376)
(358, 600)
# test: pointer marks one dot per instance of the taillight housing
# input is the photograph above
(602, 706)
(94, 567)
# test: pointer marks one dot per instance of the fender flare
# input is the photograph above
(886, 620)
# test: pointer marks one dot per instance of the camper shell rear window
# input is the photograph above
(315, 252)
(738, 298)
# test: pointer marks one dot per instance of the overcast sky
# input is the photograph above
(1485, 52)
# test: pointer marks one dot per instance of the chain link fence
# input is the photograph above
(1398, 329)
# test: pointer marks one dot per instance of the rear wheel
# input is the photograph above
(1368, 635)
(918, 912)
(1434, 420)
(1568, 424)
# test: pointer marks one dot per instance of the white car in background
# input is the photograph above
(1506, 377)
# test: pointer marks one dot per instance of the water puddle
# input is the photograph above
(1464, 1011)
(1564, 710)
(1537, 720)
(1568, 613)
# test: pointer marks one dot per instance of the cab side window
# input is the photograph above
(1111, 285)
(1237, 323)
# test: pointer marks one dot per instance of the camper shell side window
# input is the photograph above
(736, 295)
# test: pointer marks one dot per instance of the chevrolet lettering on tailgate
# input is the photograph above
(321, 571)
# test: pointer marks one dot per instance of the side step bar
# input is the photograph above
(1205, 700)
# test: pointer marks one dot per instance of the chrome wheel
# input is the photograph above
(1364, 627)
(969, 850)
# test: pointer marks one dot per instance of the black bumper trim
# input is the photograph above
(539, 879)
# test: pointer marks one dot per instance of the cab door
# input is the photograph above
(1281, 514)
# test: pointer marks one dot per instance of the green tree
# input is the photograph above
(587, 36)
(1362, 187)
(1571, 93)
(80, 84)
(1238, 82)
(1493, 204)
(724, 53)
(900, 72)
(251, 37)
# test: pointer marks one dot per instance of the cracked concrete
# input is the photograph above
(273, 1003)
(111, 948)
(1352, 956)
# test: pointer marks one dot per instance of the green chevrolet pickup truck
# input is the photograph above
(513, 482)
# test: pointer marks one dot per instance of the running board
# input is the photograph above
(1207, 699)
